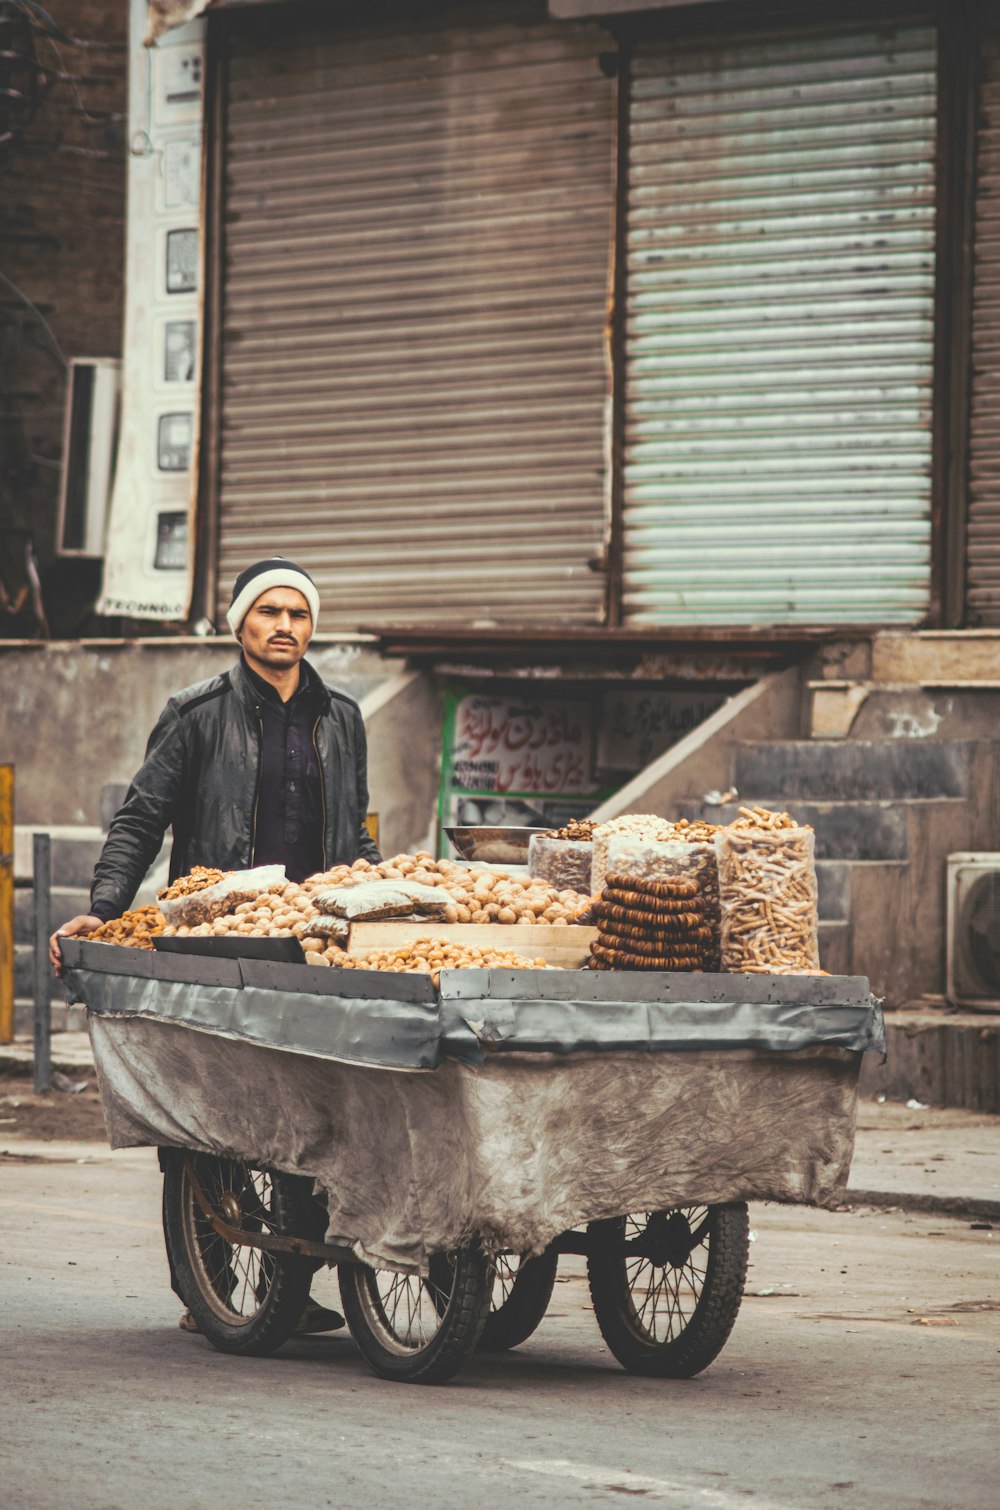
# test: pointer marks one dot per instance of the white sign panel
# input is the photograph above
(148, 559)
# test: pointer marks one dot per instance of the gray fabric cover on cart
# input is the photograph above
(512, 1105)
(518, 1149)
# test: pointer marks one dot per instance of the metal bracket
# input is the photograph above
(300, 1246)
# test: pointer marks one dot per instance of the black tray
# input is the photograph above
(235, 946)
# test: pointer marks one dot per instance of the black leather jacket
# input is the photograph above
(201, 773)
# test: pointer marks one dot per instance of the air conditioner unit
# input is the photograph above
(973, 952)
(89, 437)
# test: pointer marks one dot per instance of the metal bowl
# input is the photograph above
(493, 846)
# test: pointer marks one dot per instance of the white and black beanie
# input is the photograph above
(260, 578)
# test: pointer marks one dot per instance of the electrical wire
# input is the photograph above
(36, 312)
(44, 23)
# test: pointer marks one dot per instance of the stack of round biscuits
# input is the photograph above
(650, 924)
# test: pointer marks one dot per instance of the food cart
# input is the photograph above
(443, 1144)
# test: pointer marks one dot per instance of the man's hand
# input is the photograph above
(85, 923)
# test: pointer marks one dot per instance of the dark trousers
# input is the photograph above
(311, 1221)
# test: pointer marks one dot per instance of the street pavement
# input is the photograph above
(862, 1372)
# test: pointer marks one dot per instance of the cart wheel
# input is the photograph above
(418, 1331)
(522, 1289)
(243, 1299)
(667, 1285)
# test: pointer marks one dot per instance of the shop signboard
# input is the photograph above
(519, 760)
(637, 725)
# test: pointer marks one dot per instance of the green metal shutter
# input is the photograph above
(418, 226)
(982, 595)
(779, 334)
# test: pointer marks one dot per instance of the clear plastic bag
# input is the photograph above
(225, 896)
(768, 897)
(644, 827)
(335, 930)
(562, 863)
(655, 860)
(373, 901)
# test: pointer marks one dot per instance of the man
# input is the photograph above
(264, 764)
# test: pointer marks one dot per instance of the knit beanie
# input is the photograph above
(260, 578)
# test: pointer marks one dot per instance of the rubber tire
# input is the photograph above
(289, 1276)
(461, 1322)
(512, 1322)
(705, 1335)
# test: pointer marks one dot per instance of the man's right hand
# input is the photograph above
(85, 923)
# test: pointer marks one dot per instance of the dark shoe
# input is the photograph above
(187, 1323)
(317, 1318)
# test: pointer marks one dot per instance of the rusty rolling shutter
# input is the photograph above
(982, 593)
(417, 234)
(780, 329)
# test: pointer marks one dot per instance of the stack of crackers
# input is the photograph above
(650, 924)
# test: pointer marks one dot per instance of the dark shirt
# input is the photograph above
(289, 825)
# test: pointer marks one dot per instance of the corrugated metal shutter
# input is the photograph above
(982, 593)
(418, 229)
(780, 329)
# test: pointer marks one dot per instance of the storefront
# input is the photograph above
(648, 319)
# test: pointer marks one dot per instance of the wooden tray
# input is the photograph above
(568, 947)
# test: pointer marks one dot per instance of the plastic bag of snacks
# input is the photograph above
(768, 896)
(372, 901)
(327, 928)
(630, 825)
(562, 863)
(197, 879)
(657, 860)
(209, 902)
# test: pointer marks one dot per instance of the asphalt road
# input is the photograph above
(864, 1370)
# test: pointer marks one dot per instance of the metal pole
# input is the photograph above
(6, 903)
(42, 868)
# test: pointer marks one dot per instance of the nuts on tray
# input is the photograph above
(430, 956)
(480, 894)
(133, 930)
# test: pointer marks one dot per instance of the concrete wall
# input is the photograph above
(703, 760)
(74, 717)
(404, 721)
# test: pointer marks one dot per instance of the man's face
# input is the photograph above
(277, 630)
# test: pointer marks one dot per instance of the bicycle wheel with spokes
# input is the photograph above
(418, 1330)
(667, 1285)
(521, 1291)
(245, 1300)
